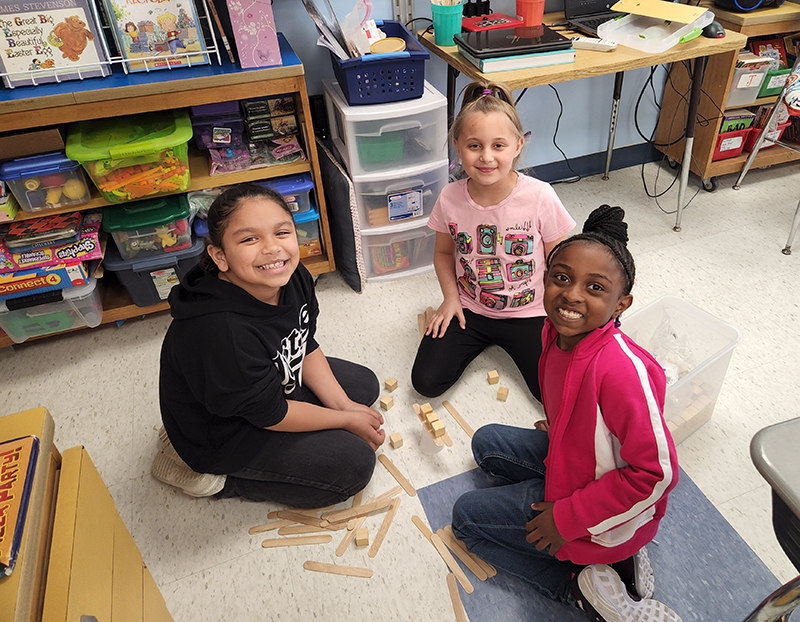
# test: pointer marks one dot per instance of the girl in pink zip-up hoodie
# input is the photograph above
(584, 491)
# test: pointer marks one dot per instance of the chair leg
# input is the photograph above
(779, 605)
(787, 250)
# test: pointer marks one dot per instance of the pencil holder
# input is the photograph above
(446, 21)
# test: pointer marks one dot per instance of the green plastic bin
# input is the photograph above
(149, 228)
(774, 82)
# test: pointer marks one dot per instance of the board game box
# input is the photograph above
(17, 468)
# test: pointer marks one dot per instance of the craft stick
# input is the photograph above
(422, 527)
(451, 563)
(455, 598)
(487, 567)
(349, 571)
(421, 324)
(462, 553)
(356, 502)
(349, 536)
(428, 314)
(270, 526)
(401, 479)
(297, 517)
(274, 542)
(293, 530)
(387, 521)
(459, 419)
(333, 518)
(313, 512)
(389, 494)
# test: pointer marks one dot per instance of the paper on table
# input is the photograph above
(670, 11)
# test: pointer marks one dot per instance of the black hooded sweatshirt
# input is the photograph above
(229, 362)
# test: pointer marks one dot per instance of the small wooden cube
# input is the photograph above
(431, 417)
(502, 394)
(387, 402)
(390, 384)
(396, 440)
(493, 377)
(426, 408)
(362, 536)
(437, 427)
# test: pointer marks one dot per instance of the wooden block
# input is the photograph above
(426, 408)
(384, 528)
(349, 571)
(362, 536)
(437, 427)
(387, 402)
(431, 417)
(276, 542)
(401, 479)
(455, 598)
(396, 440)
(459, 419)
(502, 394)
(390, 384)
(493, 377)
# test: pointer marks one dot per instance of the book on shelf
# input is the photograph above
(520, 61)
(50, 41)
(17, 468)
(773, 48)
(255, 33)
(157, 34)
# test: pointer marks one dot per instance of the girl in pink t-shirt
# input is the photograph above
(493, 232)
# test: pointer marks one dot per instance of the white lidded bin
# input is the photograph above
(404, 194)
(694, 347)
(396, 251)
(52, 312)
(383, 137)
(651, 34)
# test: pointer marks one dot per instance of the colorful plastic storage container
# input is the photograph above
(150, 280)
(134, 157)
(218, 132)
(775, 134)
(773, 82)
(295, 190)
(149, 228)
(307, 225)
(46, 181)
(730, 144)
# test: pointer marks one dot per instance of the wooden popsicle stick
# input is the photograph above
(356, 502)
(422, 527)
(342, 516)
(350, 536)
(487, 567)
(401, 479)
(275, 542)
(451, 563)
(461, 553)
(293, 530)
(428, 314)
(384, 528)
(389, 494)
(459, 419)
(277, 524)
(455, 598)
(313, 512)
(349, 571)
(297, 517)
(421, 324)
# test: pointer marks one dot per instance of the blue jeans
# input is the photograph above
(491, 521)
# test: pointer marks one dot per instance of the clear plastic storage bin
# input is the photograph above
(52, 312)
(650, 34)
(46, 181)
(295, 190)
(694, 347)
(747, 81)
(384, 137)
(398, 250)
(402, 195)
(307, 225)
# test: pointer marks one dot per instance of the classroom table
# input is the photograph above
(590, 63)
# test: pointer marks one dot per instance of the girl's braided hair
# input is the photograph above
(606, 226)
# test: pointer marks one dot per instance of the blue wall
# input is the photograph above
(587, 103)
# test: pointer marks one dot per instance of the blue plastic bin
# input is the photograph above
(382, 78)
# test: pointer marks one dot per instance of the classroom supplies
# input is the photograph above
(46, 181)
(43, 279)
(149, 228)
(26, 235)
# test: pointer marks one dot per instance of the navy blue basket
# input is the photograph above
(382, 78)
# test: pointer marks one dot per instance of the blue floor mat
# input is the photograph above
(703, 568)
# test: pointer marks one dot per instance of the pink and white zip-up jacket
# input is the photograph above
(611, 461)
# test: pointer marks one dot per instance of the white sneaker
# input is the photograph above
(608, 599)
(168, 467)
(643, 576)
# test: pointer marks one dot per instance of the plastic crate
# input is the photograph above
(774, 82)
(694, 347)
(307, 225)
(46, 181)
(399, 250)
(382, 78)
(730, 144)
(775, 134)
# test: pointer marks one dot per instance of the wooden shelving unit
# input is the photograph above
(716, 86)
(121, 94)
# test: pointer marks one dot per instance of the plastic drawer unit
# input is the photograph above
(150, 280)
(383, 137)
(52, 312)
(405, 194)
(399, 250)
(694, 347)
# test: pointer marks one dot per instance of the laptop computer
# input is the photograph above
(586, 15)
(511, 42)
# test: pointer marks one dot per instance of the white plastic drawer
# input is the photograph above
(382, 137)
(398, 250)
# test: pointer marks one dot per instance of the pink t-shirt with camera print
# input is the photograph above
(500, 249)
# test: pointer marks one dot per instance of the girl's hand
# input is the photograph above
(366, 423)
(440, 320)
(542, 530)
(542, 425)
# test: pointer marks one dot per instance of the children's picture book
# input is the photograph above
(50, 41)
(255, 33)
(770, 47)
(157, 34)
(17, 468)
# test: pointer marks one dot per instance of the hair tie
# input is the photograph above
(487, 91)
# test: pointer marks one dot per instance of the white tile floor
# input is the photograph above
(101, 388)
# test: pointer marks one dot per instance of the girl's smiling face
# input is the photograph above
(583, 290)
(259, 249)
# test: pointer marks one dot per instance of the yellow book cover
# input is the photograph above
(17, 466)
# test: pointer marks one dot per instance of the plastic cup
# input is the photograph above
(530, 12)
(446, 22)
(427, 445)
